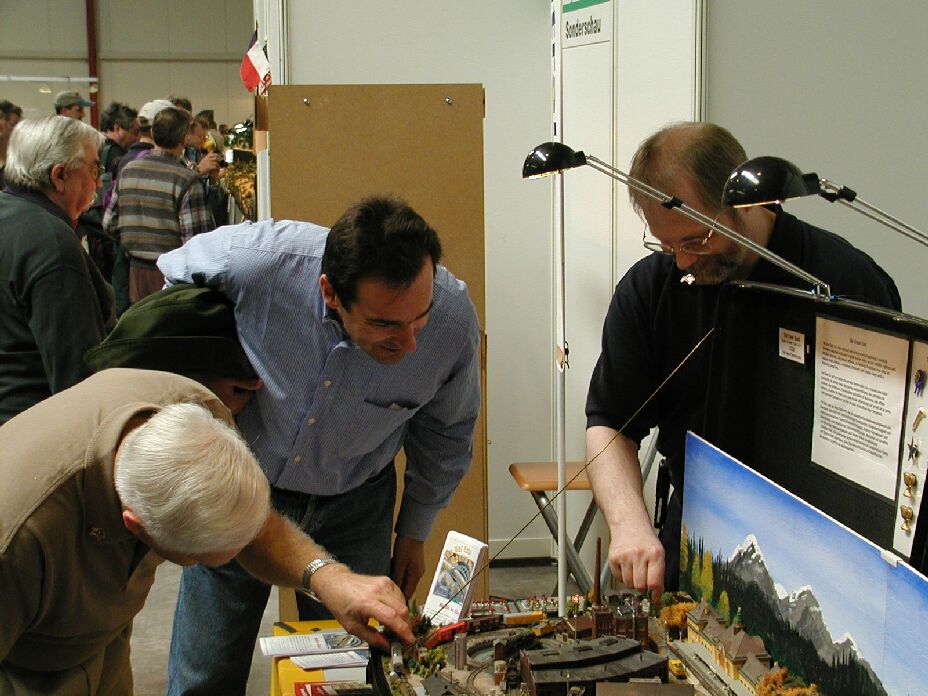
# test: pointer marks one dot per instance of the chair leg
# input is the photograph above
(577, 569)
(585, 525)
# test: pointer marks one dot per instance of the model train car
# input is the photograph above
(444, 634)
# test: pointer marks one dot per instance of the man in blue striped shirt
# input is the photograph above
(365, 344)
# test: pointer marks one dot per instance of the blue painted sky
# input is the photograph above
(725, 501)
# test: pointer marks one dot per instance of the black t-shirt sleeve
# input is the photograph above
(624, 375)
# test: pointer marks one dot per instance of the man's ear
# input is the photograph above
(56, 176)
(133, 523)
(328, 293)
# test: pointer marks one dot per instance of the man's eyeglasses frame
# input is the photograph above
(698, 246)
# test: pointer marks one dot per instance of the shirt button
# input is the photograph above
(311, 421)
(327, 383)
(297, 459)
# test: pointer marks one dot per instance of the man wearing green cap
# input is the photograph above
(188, 330)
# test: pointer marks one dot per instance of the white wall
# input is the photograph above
(838, 88)
(506, 47)
(146, 50)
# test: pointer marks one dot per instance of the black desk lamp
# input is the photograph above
(767, 179)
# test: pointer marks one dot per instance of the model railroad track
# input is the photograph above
(704, 673)
(477, 669)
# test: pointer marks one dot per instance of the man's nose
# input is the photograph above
(684, 260)
(406, 337)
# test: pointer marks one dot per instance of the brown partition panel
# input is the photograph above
(333, 144)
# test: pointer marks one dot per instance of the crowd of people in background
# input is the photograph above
(10, 114)
(128, 136)
(142, 185)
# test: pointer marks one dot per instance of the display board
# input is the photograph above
(822, 397)
(331, 145)
(784, 589)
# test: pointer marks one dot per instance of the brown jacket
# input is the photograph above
(71, 576)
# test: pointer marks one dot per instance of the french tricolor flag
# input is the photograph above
(255, 69)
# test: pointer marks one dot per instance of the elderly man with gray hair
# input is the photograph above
(141, 466)
(54, 304)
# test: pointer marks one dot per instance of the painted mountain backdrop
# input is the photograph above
(791, 624)
(800, 609)
(830, 606)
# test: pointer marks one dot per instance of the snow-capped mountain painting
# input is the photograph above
(799, 608)
(844, 601)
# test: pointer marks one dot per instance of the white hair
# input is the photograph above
(37, 145)
(192, 481)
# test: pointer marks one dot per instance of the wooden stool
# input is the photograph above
(540, 477)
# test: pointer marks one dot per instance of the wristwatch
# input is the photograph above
(308, 575)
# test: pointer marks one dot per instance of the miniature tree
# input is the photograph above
(706, 583)
(696, 578)
(430, 662)
(673, 618)
(684, 550)
(781, 683)
(723, 608)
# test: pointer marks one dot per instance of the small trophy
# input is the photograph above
(907, 515)
(908, 478)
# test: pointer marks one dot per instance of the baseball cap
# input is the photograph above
(183, 329)
(63, 99)
(151, 109)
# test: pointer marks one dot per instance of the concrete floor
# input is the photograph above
(151, 634)
(151, 637)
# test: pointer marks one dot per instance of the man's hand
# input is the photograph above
(209, 163)
(408, 564)
(636, 557)
(355, 599)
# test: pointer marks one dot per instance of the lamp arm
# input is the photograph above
(833, 192)
(822, 288)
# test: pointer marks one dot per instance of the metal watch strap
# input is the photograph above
(308, 571)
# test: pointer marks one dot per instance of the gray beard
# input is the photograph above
(717, 269)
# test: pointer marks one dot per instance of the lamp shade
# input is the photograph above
(550, 158)
(764, 180)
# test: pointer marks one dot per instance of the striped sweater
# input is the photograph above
(157, 205)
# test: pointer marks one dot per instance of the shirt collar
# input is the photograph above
(102, 507)
(329, 317)
(38, 198)
(135, 147)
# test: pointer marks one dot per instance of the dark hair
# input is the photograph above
(7, 107)
(201, 121)
(208, 115)
(170, 127)
(380, 237)
(117, 114)
(706, 152)
(182, 103)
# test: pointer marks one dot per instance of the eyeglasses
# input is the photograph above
(697, 246)
(97, 168)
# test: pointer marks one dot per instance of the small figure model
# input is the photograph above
(920, 377)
